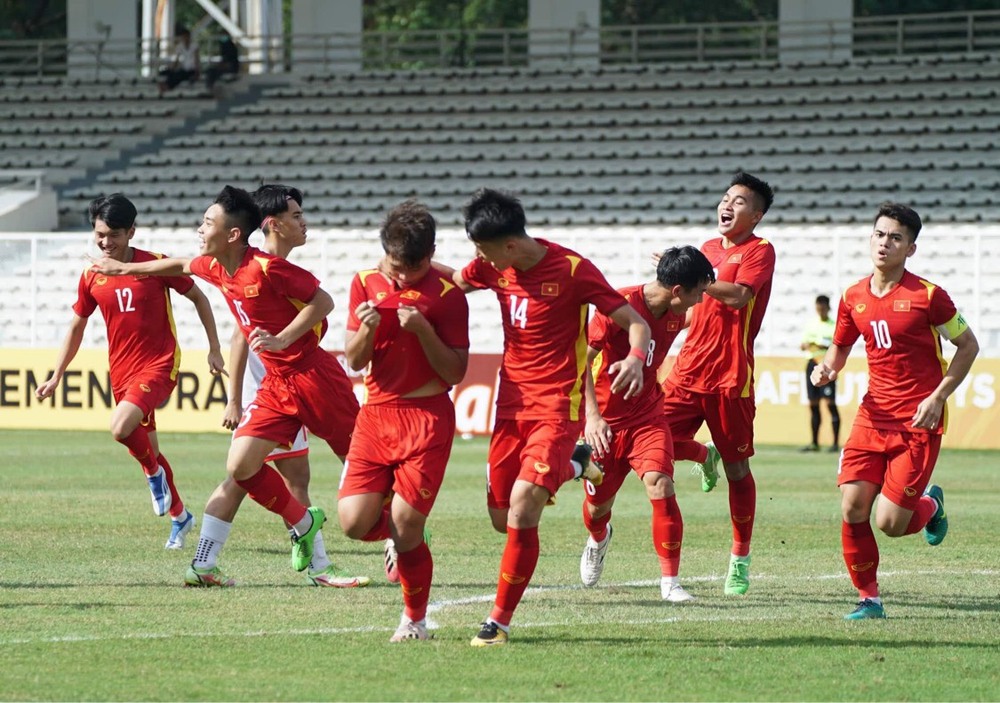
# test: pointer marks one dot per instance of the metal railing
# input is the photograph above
(894, 35)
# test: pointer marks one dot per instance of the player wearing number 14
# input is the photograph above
(896, 437)
(544, 291)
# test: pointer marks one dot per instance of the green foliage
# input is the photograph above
(93, 609)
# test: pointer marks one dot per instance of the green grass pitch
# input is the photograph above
(93, 609)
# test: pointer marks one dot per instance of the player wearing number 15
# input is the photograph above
(544, 291)
(896, 437)
(281, 310)
(143, 354)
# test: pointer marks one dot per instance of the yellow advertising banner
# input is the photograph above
(83, 400)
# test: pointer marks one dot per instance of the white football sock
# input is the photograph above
(319, 560)
(214, 533)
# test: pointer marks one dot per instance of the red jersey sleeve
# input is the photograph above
(358, 295)
(941, 309)
(597, 331)
(757, 267)
(200, 266)
(453, 316)
(85, 303)
(846, 333)
(476, 271)
(291, 281)
(595, 289)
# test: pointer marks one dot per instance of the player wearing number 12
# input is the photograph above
(896, 437)
(633, 434)
(143, 354)
(282, 311)
(544, 291)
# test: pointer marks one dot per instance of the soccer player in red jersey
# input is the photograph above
(896, 436)
(281, 310)
(410, 323)
(143, 354)
(633, 434)
(712, 379)
(284, 227)
(544, 290)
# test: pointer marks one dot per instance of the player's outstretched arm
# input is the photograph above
(596, 432)
(734, 295)
(238, 353)
(70, 346)
(216, 364)
(311, 314)
(157, 267)
(826, 371)
(627, 373)
(930, 409)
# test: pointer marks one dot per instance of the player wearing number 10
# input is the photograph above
(896, 437)
(143, 354)
(544, 291)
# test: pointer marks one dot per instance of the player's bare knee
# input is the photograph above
(891, 526)
(659, 489)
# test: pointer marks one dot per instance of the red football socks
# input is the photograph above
(690, 450)
(596, 526)
(416, 569)
(861, 557)
(380, 530)
(668, 533)
(516, 568)
(141, 449)
(742, 508)
(922, 515)
(176, 504)
(268, 489)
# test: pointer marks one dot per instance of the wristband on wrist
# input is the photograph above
(638, 354)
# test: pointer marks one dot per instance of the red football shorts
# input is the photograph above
(401, 446)
(640, 448)
(321, 398)
(536, 451)
(900, 462)
(149, 391)
(729, 419)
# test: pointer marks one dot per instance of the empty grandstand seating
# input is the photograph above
(624, 160)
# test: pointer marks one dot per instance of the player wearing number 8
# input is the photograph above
(633, 434)
(143, 354)
(896, 436)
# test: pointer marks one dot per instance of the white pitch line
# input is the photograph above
(438, 606)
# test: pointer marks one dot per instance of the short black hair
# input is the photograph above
(902, 214)
(823, 300)
(765, 195)
(685, 266)
(272, 199)
(408, 232)
(491, 215)
(241, 211)
(115, 210)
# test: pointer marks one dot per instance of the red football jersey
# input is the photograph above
(902, 341)
(544, 314)
(717, 356)
(399, 364)
(267, 292)
(612, 343)
(140, 320)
